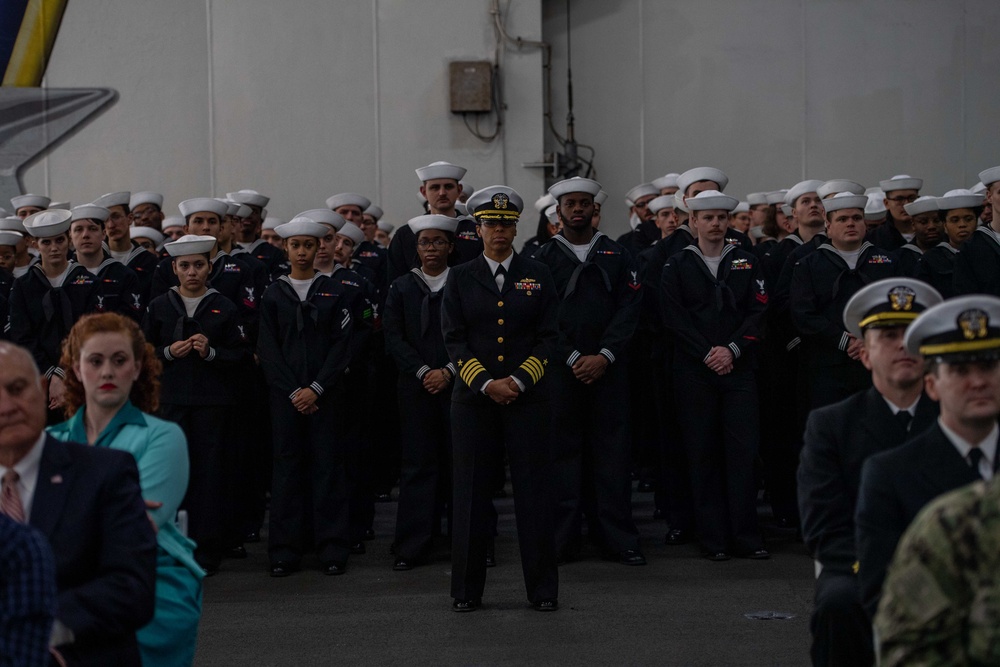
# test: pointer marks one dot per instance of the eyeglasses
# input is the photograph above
(909, 199)
(437, 243)
(490, 224)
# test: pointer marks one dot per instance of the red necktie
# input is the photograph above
(10, 497)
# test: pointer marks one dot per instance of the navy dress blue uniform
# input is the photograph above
(493, 333)
(272, 258)
(977, 267)
(886, 236)
(906, 258)
(144, 264)
(718, 418)
(117, 290)
(412, 326)
(306, 344)
(838, 440)
(402, 252)
(937, 268)
(597, 314)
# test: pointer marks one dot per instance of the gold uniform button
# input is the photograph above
(500, 322)
(500, 339)
(500, 304)
(500, 358)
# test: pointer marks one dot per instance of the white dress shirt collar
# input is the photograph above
(988, 447)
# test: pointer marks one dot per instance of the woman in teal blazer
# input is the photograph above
(109, 392)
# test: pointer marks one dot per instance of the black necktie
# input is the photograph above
(904, 418)
(500, 276)
(975, 455)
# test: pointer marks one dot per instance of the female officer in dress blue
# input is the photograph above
(499, 323)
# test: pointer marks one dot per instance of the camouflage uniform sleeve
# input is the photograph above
(924, 614)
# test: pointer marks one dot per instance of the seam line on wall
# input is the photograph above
(211, 99)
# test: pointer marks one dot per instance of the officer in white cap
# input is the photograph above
(839, 438)
(499, 323)
(146, 209)
(25, 205)
(960, 342)
(116, 288)
(937, 266)
(976, 265)
(119, 243)
(714, 298)
(597, 283)
(925, 218)
(898, 228)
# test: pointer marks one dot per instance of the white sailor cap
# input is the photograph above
(776, 197)
(989, 176)
(461, 208)
(875, 208)
(244, 211)
(901, 182)
(959, 199)
(838, 185)
(172, 221)
(640, 191)
(301, 226)
(892, 302)
(600, 198)
(924, 204)
(12, 223)
(443, 222)
(190, 244)
(272, 223)
(757, 198)
(742, 207)
(4, 213)
(203, 204)
(62, 205)
(496, 202)
(250, 197)
(552, 214)
(467, 188)
(440, 169)
(89, 212)
(146, 233)
(965, 328)
(113, 199)
(145, 197)
(787, 210)
(374, 211)
(348, 199)
(324, 216)
(875, 190)
(353, 232)
(691, 176)
(46, 224)
(36, 201)
(679, 202)
(710, 200)
(662, 202)
(231, 207)
(843, 200)
(757, 232)
(544, 202)
(979, 188)
(420, 196)
(388, 227)
(10, 238)
(666, 181)
(801, 188)
(575, 184)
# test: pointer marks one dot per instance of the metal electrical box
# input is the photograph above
(471, 86)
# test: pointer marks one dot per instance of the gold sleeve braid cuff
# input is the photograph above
(470, 370)
(535, 368)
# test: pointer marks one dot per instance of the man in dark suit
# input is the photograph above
(87, 502)
(960, 340)
(838, 439)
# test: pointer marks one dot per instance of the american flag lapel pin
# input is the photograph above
(56, 479)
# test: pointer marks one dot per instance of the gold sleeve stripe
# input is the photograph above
(470, 369)
(534, 368)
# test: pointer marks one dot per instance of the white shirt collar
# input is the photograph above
(988, 447)
(27, 469)
(896, 409)
(493, 265)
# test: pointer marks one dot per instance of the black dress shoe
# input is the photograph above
(402, 565)
(466, 605)
(645, 486)
(370, 534)
(631, 557)
(546, 605)
(383, 497)
(333, 568)
(239, 552)
(491, 555)
(717, 556)
(658, 514)
(759, 554)
(677, 536)
(358, 549)
(252, 536)
(283, 568)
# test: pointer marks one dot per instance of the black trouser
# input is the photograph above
(673, 494)
(481, 430)
(254, 426)
(309, 487)
(425, 474)
(211, 454)
(590, 460)
(718, 417)
(841, 631)
(641, 390)
(386, 420)
(781, 429)
(356, 431)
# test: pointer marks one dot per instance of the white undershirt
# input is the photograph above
(191, 303)
(120, 256)
(908, 237)
(580, 251)
(435, 283)
(58, 280)
(21, 270)
(713, 264)
(301, 287)
(850, 257)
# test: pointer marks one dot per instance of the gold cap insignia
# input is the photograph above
(500, 200)
(973, 323)
(901, 298)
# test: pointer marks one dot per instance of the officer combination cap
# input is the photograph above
(600, 198)
(387, 227)
(46, 224)
(552, 214)
(544, 202)
(640, 191)
(801, 188)
(36, 201)
(776, 196)
(966, 328)
(348, 199)
(679, 202)
(189, 207)
(924, 204)
(440, 169)
(875, 208)
(893, 302)
(757, 198)
(374, 211)
(64, 205)
(575, 184)
(324, 216)
(353, 232)
(12, 223)
(271, 223)
(251, 197)
(959, 199)
(837, 185)
(190, 244)
(145, 197)
(113, 199)
(301, 226)
(691, 176)
(989, 176)
(146, 233)
(662, 202)
(443, 222)
(89, 212)
(901, 182)
(843, 200)
(497, 202)
(710, 200)
(10, 238)
(172, 221)
(666, 181)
